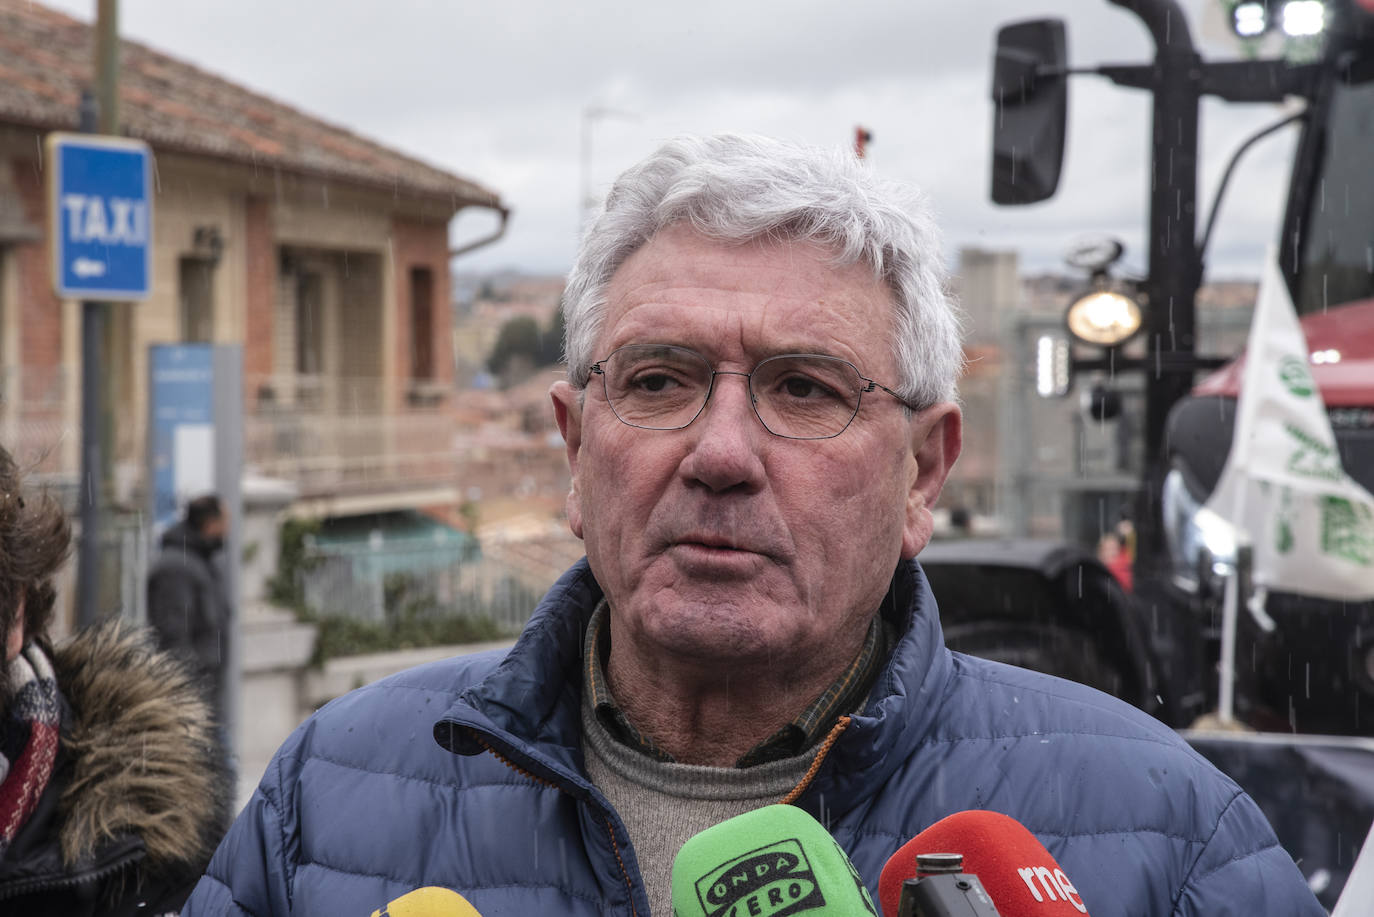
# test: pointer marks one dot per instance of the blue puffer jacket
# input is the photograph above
(362, 804)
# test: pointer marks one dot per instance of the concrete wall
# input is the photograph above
(275, 649)
(280, 691)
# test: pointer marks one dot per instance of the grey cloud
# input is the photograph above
(496, 91)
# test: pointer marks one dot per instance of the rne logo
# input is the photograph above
(1054, 885)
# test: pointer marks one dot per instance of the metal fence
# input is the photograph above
(124, 552)
(123, 558)
(424, 575)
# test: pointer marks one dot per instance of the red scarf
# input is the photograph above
(34, 710)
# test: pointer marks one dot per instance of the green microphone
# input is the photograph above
(771, 862)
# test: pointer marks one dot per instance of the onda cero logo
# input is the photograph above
(771, 881)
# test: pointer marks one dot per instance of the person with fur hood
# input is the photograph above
(112, 790)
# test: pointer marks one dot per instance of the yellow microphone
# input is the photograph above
(430, 901)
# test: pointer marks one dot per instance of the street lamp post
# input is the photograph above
(590, 114)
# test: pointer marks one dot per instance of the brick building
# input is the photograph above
(324, 253)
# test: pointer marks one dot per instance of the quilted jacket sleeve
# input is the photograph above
(250, 873)
(1243, 872)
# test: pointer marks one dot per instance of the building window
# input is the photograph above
(421, 323)
(309, 323)
(196, 289)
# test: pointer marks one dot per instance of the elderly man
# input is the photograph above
(759, 415)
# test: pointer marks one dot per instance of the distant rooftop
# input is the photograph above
(46, 59)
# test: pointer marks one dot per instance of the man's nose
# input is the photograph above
(727, 437)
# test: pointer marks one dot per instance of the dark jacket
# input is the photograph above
(468, 774)
(188, 606)
(137, 799)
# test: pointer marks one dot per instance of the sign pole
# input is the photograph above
(107, 95)
(107, 64)
(96, 344)
(92, 483)
(228, 414)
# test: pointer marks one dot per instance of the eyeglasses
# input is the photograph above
(796, 395)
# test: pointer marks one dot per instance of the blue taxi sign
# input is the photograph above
(100, 208)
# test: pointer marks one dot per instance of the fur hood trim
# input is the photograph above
(143, 752)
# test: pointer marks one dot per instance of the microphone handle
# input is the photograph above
(946, 895)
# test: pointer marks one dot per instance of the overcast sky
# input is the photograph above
(497, 92)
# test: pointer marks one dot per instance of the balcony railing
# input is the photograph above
(37, 426)
(330, 434)
(324, 434)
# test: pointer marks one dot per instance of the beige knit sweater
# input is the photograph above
(663, 804)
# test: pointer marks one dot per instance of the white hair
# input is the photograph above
(736, 189)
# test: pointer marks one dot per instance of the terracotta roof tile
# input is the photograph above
(47, 59)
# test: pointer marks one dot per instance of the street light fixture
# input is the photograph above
(1304, 17)
(1103, 317)
(1053, 366)
(1250, 19)
(1295, 18)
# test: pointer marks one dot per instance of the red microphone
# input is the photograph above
(1019, 874)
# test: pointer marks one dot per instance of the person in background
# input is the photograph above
(111, 792)
(1111, 550)
(188, 607)
(1125, 528)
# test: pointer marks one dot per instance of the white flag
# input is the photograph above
(1311, 526)
(1359, 888)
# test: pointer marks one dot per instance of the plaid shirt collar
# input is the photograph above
(805, 730)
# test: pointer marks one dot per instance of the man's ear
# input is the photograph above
(937, 437)
(567, 411)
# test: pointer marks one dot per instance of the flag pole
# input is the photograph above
(1237, 590)
(1226, 698)
(1238, 580)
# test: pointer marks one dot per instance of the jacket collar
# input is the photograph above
(528, 707)
(903, 706)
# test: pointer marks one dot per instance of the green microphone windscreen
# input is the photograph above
(771, 862)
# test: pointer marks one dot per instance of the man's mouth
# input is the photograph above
(715, 543)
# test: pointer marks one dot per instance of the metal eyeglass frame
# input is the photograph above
(869, 385)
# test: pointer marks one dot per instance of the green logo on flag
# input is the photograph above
(1283, 539)
(1348, 530)
(1312, 458)
(1283, 531)
(1295, 377)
